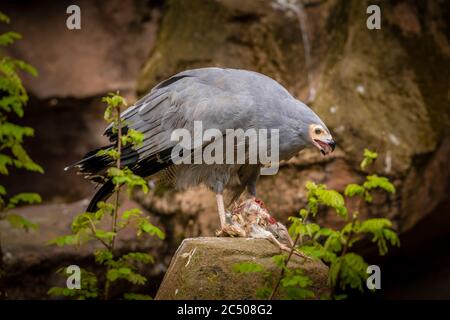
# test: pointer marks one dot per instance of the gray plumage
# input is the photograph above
(221, 99)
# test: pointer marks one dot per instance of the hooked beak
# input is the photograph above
(325, 146)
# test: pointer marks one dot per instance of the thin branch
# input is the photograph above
(94, 231)
(117, 192)
(350, 237)
(277, 284)
(347, 244)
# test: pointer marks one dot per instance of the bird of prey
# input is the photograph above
(221, 99)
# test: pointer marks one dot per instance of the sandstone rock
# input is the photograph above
(104, 55)
(202, 269)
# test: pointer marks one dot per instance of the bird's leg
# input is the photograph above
(221, 209)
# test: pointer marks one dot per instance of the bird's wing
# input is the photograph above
(219, 100)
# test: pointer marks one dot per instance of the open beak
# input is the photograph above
(325, 146)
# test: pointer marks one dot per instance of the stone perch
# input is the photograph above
(202, 269)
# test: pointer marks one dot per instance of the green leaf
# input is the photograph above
(333, 199)
(138, 257)
(62, 292)
(354, 190)
(374, 225)
(296, 227)
(12, 103)
(104, 208)
(304, 214)
(131, 213)
(127, 274)
(88, 290)
(375, 181)
(263, 293)
(82, 222)
(369, 158)
(108, 115)
(113, 274)
(311, 229)
(247, 267)
(334, 272)
(128, 178)
(8, 38)
(4, 18)
(4, 162)
(317, 251)
(136, 278)
(114, 100)
(319, 194)
(15, 133)
(29, 198)
(22, 65)
(105, 235)
(296, 280)
(297, 293)
(146, 227)
(135, 296)
(111, 153)
(334, 242)
(68, 240)
(380, 229)
(17, 221)
(133, 137)
(103, 256)
(279, 260)
(353, 272)
(23, 160)
(324, 232)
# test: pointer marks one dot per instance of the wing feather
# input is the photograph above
(219, 98)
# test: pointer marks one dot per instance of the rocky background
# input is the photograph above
(387, 90)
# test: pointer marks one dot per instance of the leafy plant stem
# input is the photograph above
(350, 236)
(117, 198)
(349, 239)
(277, 284)
(94, 230)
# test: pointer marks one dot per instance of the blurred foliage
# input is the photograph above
(13, 98)
(86, 227)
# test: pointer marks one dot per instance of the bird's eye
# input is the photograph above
(318, 131)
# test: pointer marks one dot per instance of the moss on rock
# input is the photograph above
(202, 268)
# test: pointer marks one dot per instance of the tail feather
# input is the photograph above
(102, 194)
(92, 160)
(145, 168)
(94, 167)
